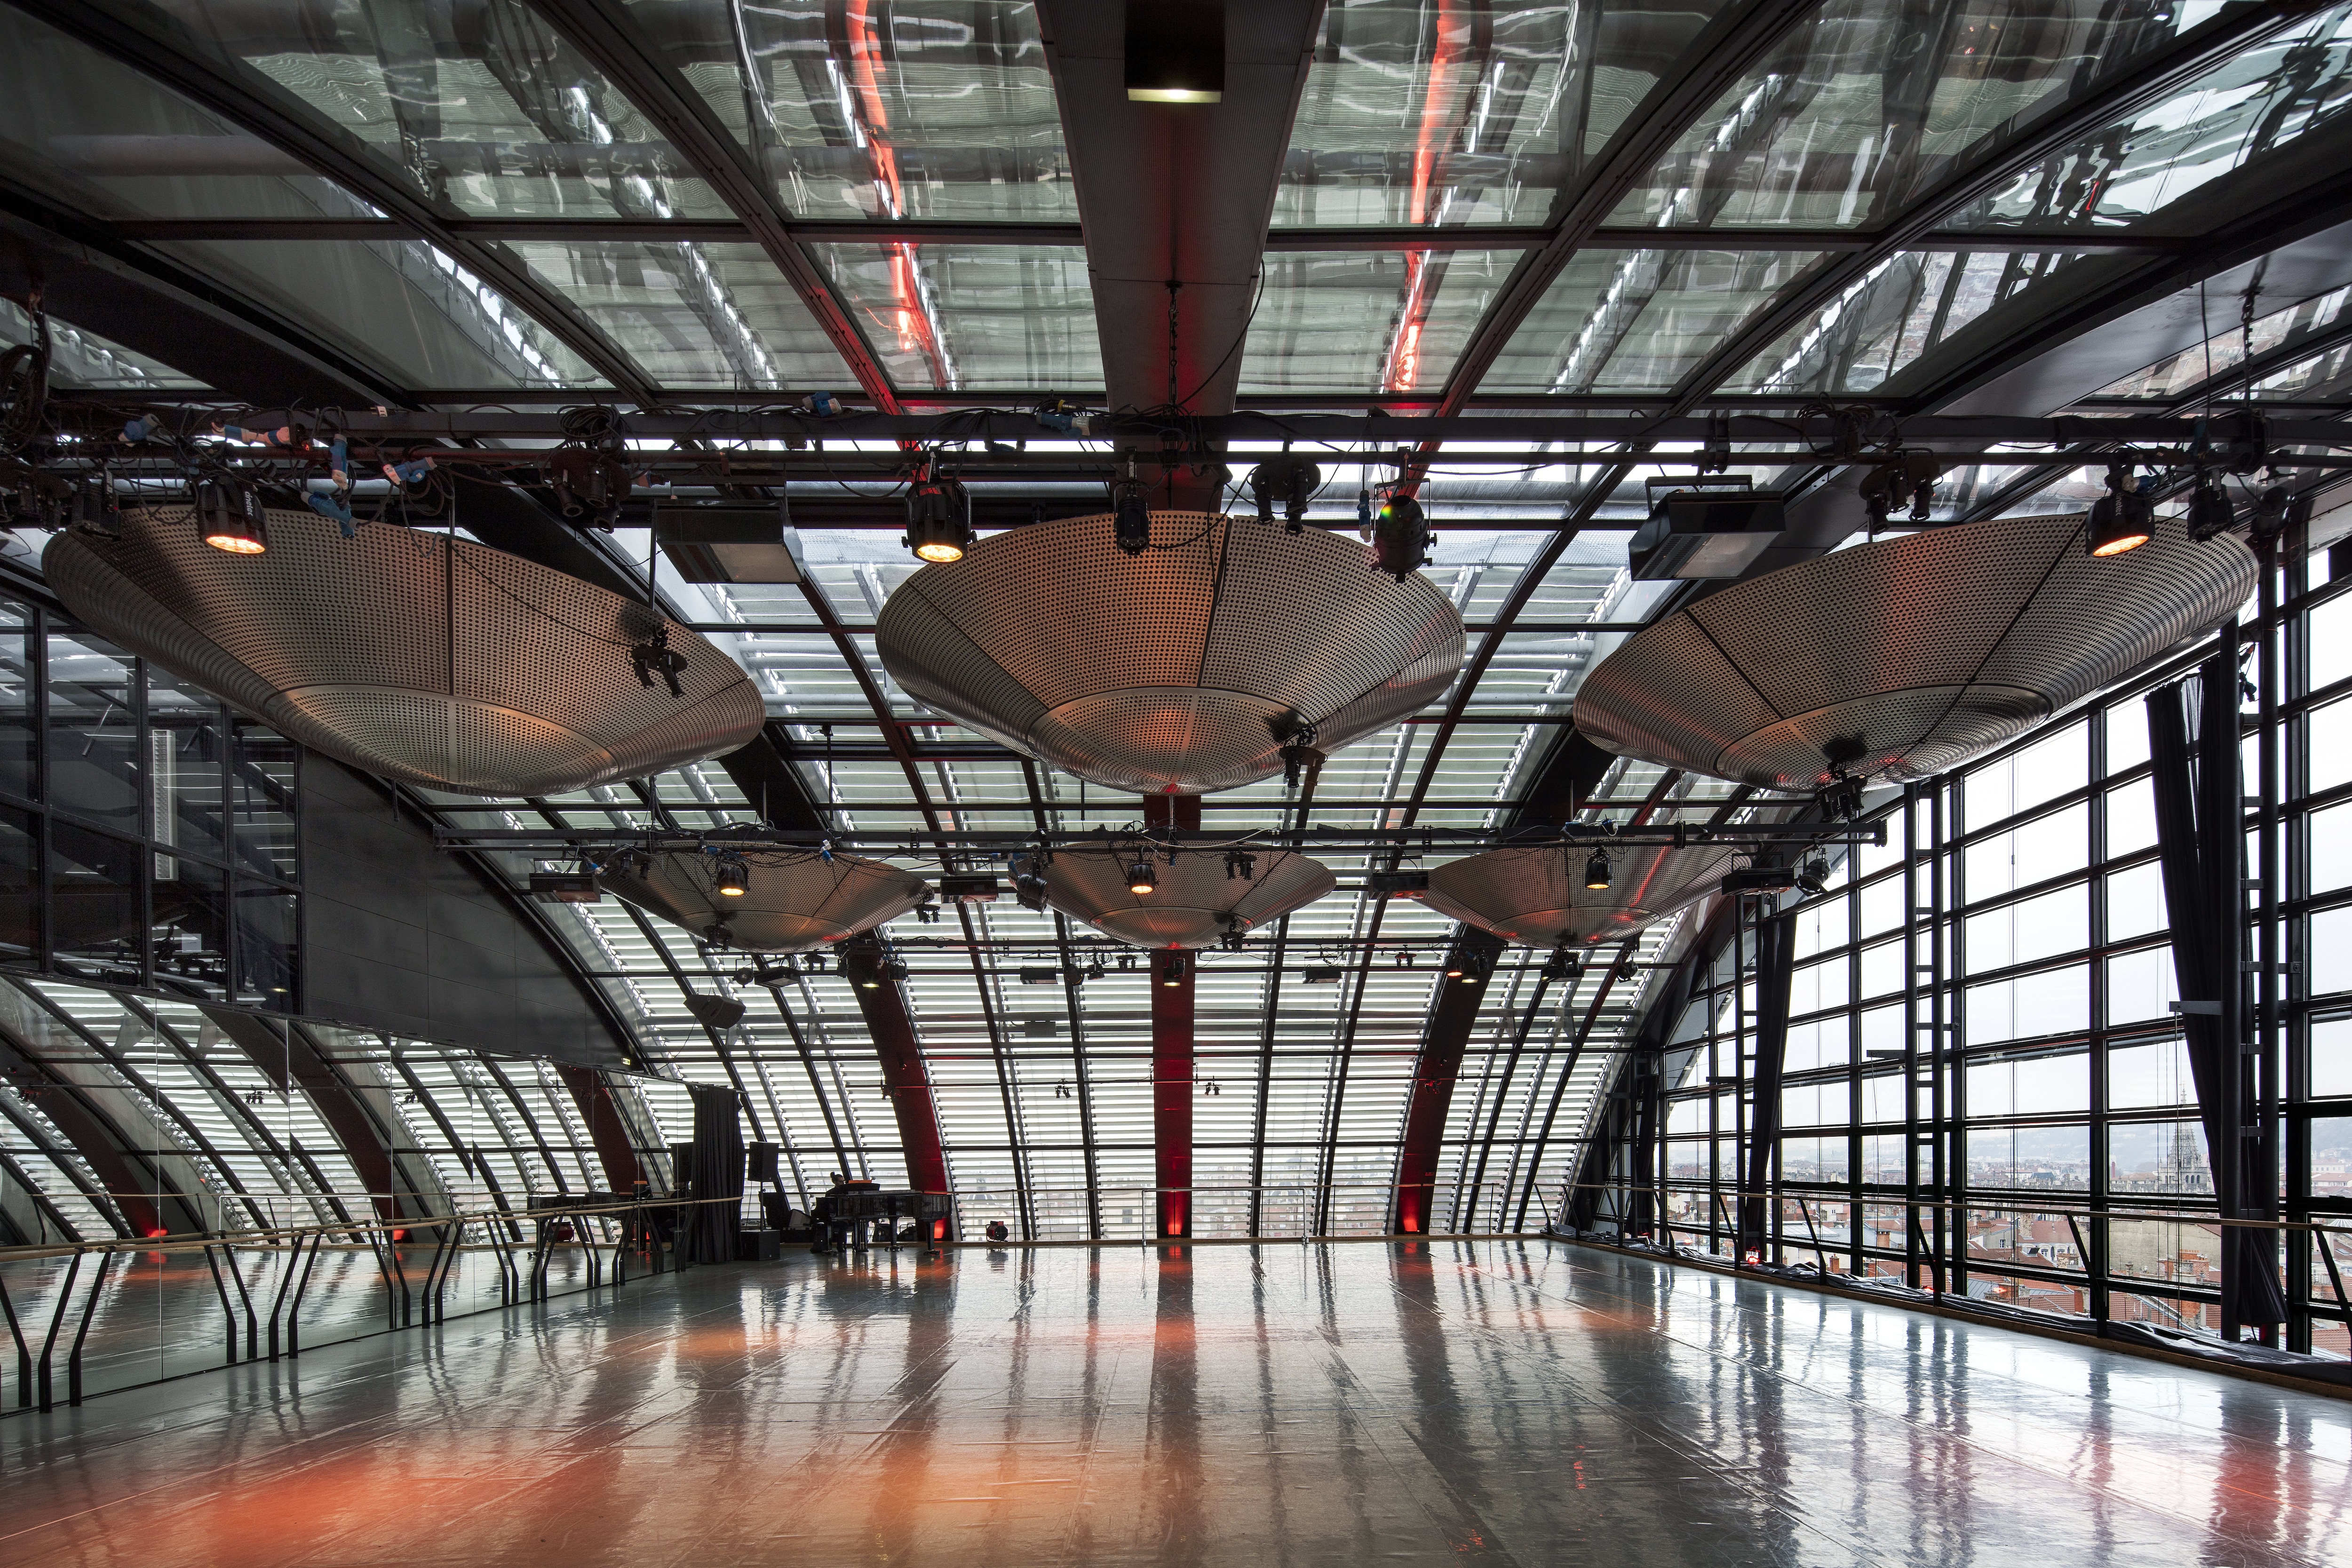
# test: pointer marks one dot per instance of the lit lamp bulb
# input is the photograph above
(1142, 878)
(1596, 872)
(734, 879)
(230, 518)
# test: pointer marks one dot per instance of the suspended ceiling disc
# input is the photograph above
(1188, 907)
(1536, 896)
(1900, 659)
(409, 655)
(793, 902)
(1178, 672)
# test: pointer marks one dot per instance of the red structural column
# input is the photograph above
(1451, 1019)
(1171, 1050)
(900, 1055)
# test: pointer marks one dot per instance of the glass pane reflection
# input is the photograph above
(2257, 103)
(483, 106)
(957, 316)
(931, 109)
(1367, 320)
(1424, 114)
(1636, 320)
(401, 305)
(1895, 312)
(98, 137)
(691, 315)
(1865, 107)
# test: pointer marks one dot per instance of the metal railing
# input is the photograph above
(118, 1312)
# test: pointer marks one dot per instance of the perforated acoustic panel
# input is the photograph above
(1179, 671)
(792, 903)
(422, 658)
(1536, 896)
(1900, 659)
(1189, 907)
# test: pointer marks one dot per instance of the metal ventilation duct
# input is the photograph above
(1194, 897)
(793, 902)
(1900, 659)
(1178, 672)
(422, 658)
(1537, 896)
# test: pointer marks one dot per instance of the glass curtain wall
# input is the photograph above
(2018, 915)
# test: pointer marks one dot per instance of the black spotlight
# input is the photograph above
(1140, 878)
(734, 878)
(2210, 515)
(1596, 870)
(1563, 964)
(1029, 890)
(1173, 973)
(938, 520)
(1238, 864)
(229, 517)
(1130, 522)
(1399, 537)
(1813, 876)
(2122, 520)
(1176, 51)
(1295, 479)
(719, 1013)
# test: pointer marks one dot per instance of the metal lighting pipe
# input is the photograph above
(1678, 835)
(1363, 437)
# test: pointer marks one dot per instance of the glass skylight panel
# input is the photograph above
(1367, 320)
(1430, 115)
(959, 317)
(936, 109)
(401, 305)
(97, 136)
(1860, 108)
(82, 360)
(691, 315)
(1903, 308)
(2171, 379)
(480, 105)
(2168, 155)
(1638, 320)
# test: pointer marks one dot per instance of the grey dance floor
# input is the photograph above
(1506, 1402)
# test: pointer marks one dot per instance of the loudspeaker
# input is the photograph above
(760, 1162)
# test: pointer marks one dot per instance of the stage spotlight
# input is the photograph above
(938, 520)
(1596, 872)
(734, 878)
(2122, 520)
(1399, 537)
(1131, 523)
(229, 517)
(1813, 876)
(1173, 973)
(1140, 878)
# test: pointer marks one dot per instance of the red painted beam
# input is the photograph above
(1171, 1052)
(614, 1152)
(1443, 1043)
(901, 1057)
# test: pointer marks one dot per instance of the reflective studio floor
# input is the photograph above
(1511, 1401)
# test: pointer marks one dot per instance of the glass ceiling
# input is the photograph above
(942, 108)
(1428, 115)
(1412, 115)
(1864, 107)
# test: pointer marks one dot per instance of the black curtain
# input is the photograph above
(2200, 827)
(1776, 950)
(715, 1171)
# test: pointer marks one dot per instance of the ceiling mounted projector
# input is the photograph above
(1899, 659)
(419, 657)
(1545, 896)
(788, 902)
(1186, 667)
(1191, 901)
